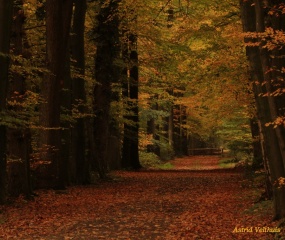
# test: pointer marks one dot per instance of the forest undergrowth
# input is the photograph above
(185, 202)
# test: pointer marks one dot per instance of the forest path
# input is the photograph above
(197, 163)
(143, 205)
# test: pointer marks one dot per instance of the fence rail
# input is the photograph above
(205, 151)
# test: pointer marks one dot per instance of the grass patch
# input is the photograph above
(227, 163)
(165, 166)
(150, 160)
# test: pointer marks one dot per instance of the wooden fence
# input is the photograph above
(205, 151)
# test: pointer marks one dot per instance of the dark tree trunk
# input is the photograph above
(276, 152)
(277, 101)
(131, 131)
(268, 182)
(130, 155)
(6, 7)
(105, 73)
(79, 166)
(19, 139)
(260, 63)
(259, 157)
(256, 144)
(58, 18)
(180, 141)
(115, 136)
(170, 128)
(65, 148)
(153, 129)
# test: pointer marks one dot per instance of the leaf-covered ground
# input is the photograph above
(175, 204)
(197, 163)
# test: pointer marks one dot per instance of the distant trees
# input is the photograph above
(263, 24)
(192, 77)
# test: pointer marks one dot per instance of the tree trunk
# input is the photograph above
(276, 152)
(79, 171)
(170, 127)
(130, 156)
(58, 18)
(65, 148)
(153, 129)
(256, 144)
(260, 63)
(6, 7)
(105, 73)
(180, 137)
(19, 139)
(268, 182)
(277, 101)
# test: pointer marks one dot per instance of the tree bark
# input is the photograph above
(58, 19)
(66, 108)
(130, 155)
(277, 152)
(256, 144)
(19, 139)
(105, 73)
(79, 171)
(179, 136)
(170, 127)
(260, 69)
(6, 7)
(153, 128)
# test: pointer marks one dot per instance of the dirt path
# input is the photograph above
(140, 206)
(197, 163)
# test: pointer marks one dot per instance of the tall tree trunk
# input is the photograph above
(170, 128)
(277, 101)
(58, 19)
(259, 154)
(130, 155)
(65, 148)
(105, 73)
(268, 182)
(256, 144)
(260, 64)
(80, 170)
(19, 139)
(276, 152)
(115, 136)
(180, 137)
(153, 129)
(6, 7)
